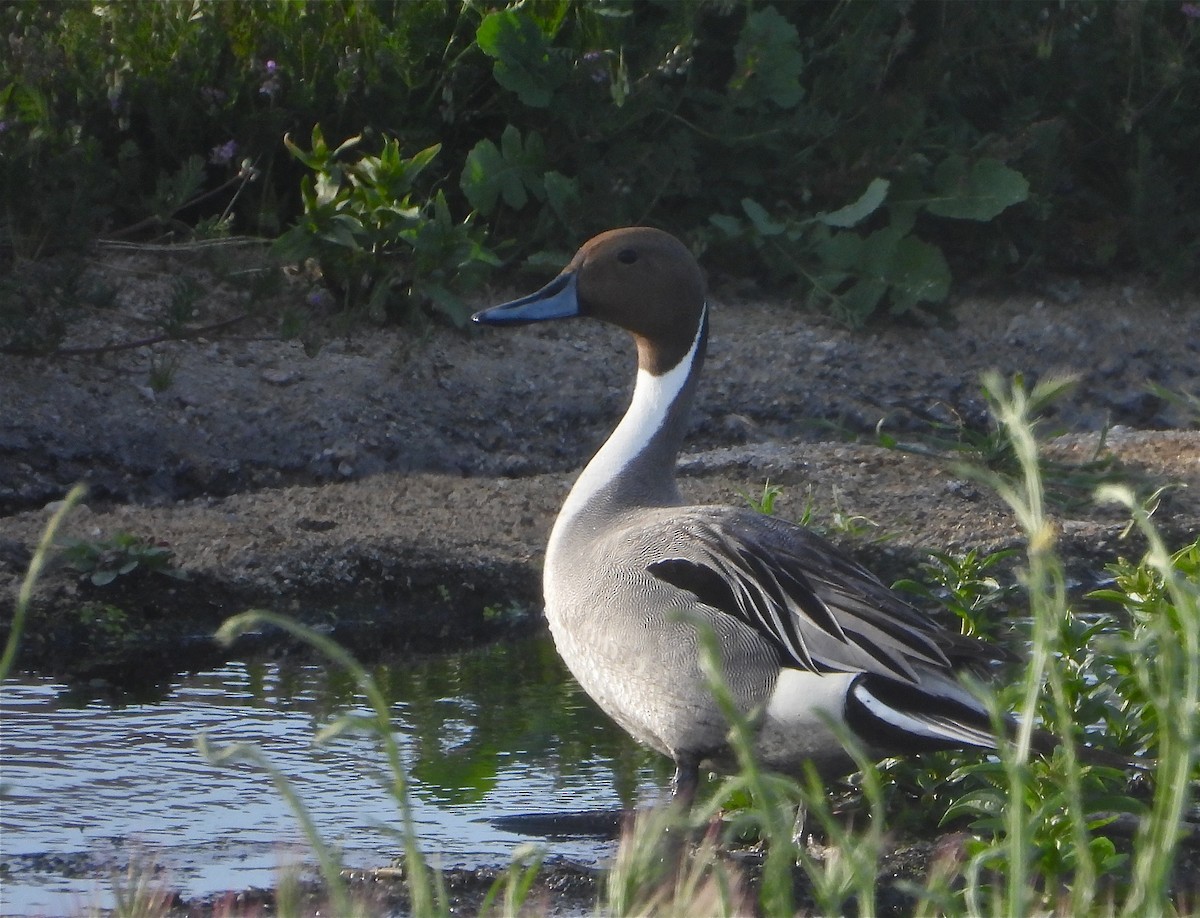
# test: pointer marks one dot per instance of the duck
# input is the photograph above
(810, 644)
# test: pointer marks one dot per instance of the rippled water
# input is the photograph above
(89, 788)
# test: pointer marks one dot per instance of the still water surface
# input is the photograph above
(87, 787)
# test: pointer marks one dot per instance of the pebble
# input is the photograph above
(279, 377)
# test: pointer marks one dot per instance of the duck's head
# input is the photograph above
(642, 279)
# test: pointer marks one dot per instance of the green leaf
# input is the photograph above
(730, 226)
(985, 802)
(980, 192)
(415, 164)
(327, 186)
(907, 197)
(860, 300)
(918, 273)
(769, 62)
(761, 219)
(174, 191)
(313, 160)
(867, 204)
(510, 171)
(885, 263)
(562, 194)
(342, 230)
(841, 251)
(447, 303)
(482, 176)
(525, 63)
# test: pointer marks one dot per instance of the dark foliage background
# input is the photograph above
(862, 154)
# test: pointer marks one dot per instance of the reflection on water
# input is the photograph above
(497, 732)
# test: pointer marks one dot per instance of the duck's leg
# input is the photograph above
(685, 782)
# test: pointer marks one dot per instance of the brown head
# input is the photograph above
(642, 279)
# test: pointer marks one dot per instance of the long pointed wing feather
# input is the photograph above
(822, 611)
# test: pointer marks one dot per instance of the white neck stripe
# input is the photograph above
(647, 413)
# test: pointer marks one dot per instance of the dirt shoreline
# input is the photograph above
(403, 490)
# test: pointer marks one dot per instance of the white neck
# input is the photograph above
(653, 398)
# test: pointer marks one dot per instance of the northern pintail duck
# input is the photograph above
(805, 636)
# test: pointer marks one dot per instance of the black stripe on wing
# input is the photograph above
(730, 592)
(822, 611)
(900, 718)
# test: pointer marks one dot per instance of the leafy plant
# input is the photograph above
(765, 503)
(381, 249)
(511, 613)
(515, 174)
(853, 271)
(1047, 824)
(966, 585)
(103, 561)
(1187, 402)
(105, 620)
(526, 62)
(981, 138)
(162, 371)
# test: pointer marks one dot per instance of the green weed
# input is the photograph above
(510, 613)
(383, 250)
(1187, 402)
(765, 503)
(836, 521)
(1052, 831)
(162, 371)
(1043, 844)
(425, 891)
(967, 585)
(852, 272)
(104, 560)
(41, 556)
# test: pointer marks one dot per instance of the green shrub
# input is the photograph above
(380, 250)
(103, 561)
(865, 154)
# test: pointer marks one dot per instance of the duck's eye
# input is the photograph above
(627, 256)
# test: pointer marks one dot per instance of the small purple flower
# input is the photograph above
(1190, 10)
(3, 126)
(271, 86)
(596, 64)
(222, 155)
(319, 299)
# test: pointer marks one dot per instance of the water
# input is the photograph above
(89, 788)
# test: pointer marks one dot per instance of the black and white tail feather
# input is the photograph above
(824, 614)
